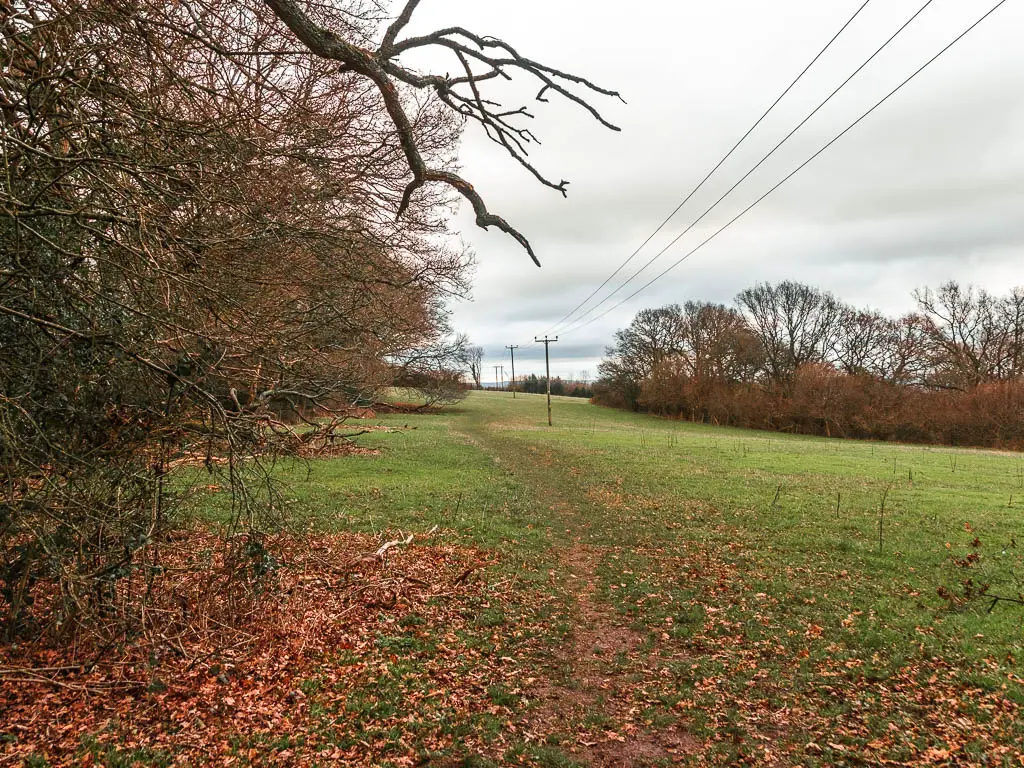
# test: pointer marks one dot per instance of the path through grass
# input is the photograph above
(756, 609)
(647, 592)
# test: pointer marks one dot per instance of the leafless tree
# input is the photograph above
(903, 357)
(1011, 316)
(654, 336)
(796, 323)
(475, 362)
(477, 58)
(798, 359)
(859, 341)
(199, 243)
(968, 340)
(654, 341)
(719, 346)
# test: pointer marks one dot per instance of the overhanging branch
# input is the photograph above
(382, 68)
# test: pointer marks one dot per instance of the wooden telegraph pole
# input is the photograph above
(512, 351)
(497, 384)
(547, 369)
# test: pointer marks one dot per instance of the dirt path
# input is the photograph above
(587, 704)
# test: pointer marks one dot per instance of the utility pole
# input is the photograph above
(547, 369)
(497, 383)
(512, 351)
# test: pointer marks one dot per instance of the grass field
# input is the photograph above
(701, 539)
(635, 482)
(648, 592)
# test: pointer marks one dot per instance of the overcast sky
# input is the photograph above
(929, 188)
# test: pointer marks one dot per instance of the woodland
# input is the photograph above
(224, 228)
(793, 358)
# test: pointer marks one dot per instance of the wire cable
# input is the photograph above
(799, 168)
(712, 172)
(762, 161)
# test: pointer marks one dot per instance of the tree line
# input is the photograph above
(791, 357)
(537, 385)
(217, 217)
(531, 383)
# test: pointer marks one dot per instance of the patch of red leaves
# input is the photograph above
(792, 692)
(217, 662)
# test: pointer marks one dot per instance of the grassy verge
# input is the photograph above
(755, 565)
(763, 612)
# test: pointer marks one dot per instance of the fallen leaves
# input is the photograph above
(275, 677)
(749, 676)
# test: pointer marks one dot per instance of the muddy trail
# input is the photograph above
(587, 702)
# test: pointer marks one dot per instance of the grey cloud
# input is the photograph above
(928, 188)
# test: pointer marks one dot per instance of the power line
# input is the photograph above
(799, 168)
(762, 161)
(717, 166)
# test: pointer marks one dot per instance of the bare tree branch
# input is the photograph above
(384, 71)
(397, 26)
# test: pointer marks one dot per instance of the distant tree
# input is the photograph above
(798, 359)
(475, 361)
(903, 357)
(968, 339)
(654, 337)
(1011, 317)
(859, 342)
(796, 324)
(718, 344)
(435, 370)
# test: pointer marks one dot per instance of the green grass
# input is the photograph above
(112, 757)
(492, 471)
(707, 538)
(638, 481)
(427, 474)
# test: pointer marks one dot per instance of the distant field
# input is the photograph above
(794, 500)
(777, 495)
(623, 590)
(774, 536)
